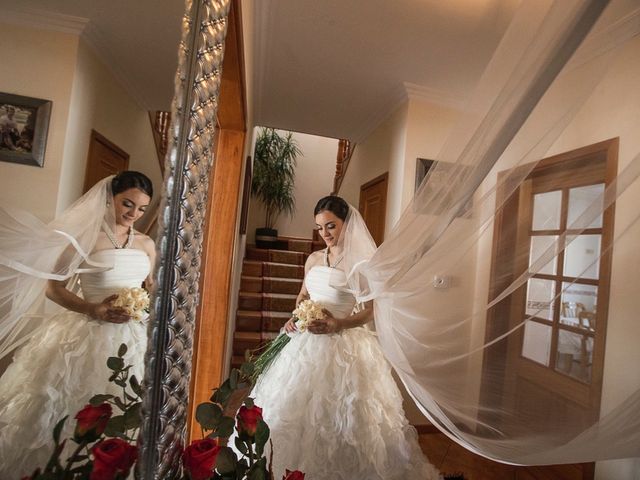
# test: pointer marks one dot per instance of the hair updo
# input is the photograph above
(333, 204)
(130, 179)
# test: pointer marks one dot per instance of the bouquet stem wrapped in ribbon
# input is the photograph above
(306, 312)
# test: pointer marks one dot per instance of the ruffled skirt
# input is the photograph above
(335, 412)
(55, 374)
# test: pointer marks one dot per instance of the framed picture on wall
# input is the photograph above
(439, 177)
(24, 124)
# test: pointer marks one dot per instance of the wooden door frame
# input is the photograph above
(219, 243)
(98, 137)
(503, 242)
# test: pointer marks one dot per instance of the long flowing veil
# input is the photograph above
(33, 252)
(494, 292)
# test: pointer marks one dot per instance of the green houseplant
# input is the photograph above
(273, 180)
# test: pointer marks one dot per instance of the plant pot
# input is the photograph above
(266, 237)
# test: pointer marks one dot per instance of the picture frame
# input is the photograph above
(24, 125)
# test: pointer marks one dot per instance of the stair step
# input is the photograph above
(237, 361)
(280, 256)
(300, 245)
(282, 270)
(279, 302)
(274, 321)
(250, 301)
(248, 321)
(243, 341)
(281, 285)
(318, 245)
(251, 284)
(252, 268)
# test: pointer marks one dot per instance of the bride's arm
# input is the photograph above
(58, 293)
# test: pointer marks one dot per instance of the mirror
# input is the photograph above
(107, 73)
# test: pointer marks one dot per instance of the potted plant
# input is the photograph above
(273, 180)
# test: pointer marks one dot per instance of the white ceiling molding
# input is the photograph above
(422, 93)
(96, 41)
(44, 20)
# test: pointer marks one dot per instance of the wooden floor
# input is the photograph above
(449, 458)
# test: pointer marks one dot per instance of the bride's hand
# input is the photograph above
(290, 326)
(108, 313)
(329, 324)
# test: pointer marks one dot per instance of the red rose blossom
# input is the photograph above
(248, 420)
(199, 458)
(91, 422)
(112, 457)
(295, 475)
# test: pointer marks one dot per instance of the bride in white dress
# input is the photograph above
(332, 406)
(63, 364)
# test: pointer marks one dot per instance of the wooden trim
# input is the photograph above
(219, 243)
(99, 138)
(378, 179)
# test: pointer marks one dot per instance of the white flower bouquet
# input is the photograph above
(134, 301)
(306, 312)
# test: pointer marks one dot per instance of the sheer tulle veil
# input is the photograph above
(451, 317)
(34, 252)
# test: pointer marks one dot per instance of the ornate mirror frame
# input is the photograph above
(179, 241)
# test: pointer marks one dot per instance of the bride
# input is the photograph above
(329, 399)
(63, 362)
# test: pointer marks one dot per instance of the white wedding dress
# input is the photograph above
(332, 406)
(64, 364)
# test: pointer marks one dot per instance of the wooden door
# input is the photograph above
(105, 158)
(373, 205)
(557, 358)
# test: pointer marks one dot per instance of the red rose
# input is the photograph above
(295, 475)
(248, 420)
(33, 475)
(199, 458)
(91, 422)
(112, 458)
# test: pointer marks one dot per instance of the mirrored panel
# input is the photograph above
(537, 342)
(540, 295)
(539, 246)
(574, 356)
(582, 257)
(582, 198)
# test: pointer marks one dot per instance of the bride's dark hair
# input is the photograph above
(333, 204)
(131, 179)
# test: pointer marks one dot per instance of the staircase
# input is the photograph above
(271, 281)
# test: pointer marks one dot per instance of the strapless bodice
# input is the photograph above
(130, 267)
(338, 302)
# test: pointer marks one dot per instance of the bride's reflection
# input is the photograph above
(63, 364)
(105, 72)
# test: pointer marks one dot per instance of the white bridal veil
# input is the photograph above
(33, 252)
(495, 290)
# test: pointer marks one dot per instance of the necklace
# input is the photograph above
(112, 238)
(326, 259)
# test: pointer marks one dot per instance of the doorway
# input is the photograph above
(373, 205)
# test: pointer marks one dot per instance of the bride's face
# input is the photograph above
(329, 226)
(130, 205)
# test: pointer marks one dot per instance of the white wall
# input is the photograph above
(37, 64)
(383, 151)
(315, 170)
(99, 102)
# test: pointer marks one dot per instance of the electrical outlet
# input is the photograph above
(441, 281)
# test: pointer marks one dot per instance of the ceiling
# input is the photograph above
(337, 68)
(137, 40)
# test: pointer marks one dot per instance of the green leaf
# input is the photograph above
(122, 350)
(132, 418)
(262, 435)
(222, 393)
(256, 472)
(57, 430)
(121, 405)
(115, 426)
(226, 461)
(225, 427)
(247, 369)
(120, 382)
(248, 402)
(115, 363)
(135, 386)
(100, 399)
(241, 446)
(208, 415)
(233, 379)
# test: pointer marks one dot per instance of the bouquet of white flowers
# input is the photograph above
(134, 301)
(306, 312)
